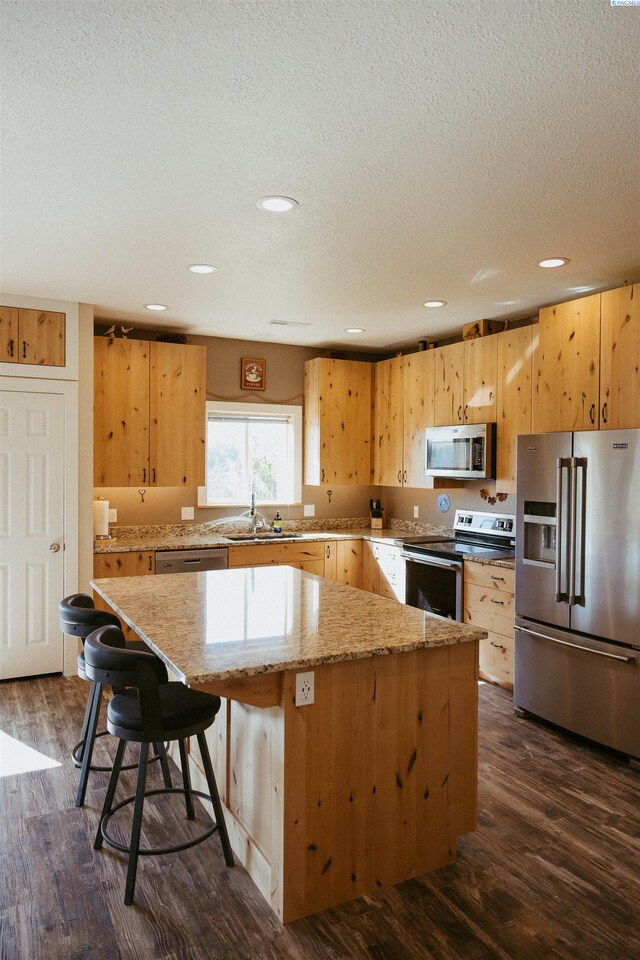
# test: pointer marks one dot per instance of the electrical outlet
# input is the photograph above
(113, 515)
(187, 513)
(309, 510)
(304, 688)
(416, 513)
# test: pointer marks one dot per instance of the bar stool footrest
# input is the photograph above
(156, 851)
(103, 733)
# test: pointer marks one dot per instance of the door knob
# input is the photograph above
(54, 547)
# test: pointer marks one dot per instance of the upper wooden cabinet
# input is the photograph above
(567, 380)
(403, 411)
(516, 351)
(620, 358)
(149, 415)
(465, 382)
(32, 336)
(337, 422)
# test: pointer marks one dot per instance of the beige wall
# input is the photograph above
(400, 502)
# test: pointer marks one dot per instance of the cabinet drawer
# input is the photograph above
(486, 575)
(496, 659)
(262, 554)
(488, 608)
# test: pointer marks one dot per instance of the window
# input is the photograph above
(252, 446)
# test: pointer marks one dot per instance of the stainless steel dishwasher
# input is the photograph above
(192, 561)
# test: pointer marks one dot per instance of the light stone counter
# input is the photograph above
(227, 624)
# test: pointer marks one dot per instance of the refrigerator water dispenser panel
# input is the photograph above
(539, 547)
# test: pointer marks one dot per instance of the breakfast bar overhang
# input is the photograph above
(370, 784)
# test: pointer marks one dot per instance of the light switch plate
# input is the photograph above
(113, 514)
(416, 513)
(187, 513)
(309, 510)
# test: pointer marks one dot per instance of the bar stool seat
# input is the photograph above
(145, 712)
(78, 616)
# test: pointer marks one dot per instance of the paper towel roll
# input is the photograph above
(101, 518)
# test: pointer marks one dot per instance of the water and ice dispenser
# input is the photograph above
(539, 537)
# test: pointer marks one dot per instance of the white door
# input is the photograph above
(31, 532)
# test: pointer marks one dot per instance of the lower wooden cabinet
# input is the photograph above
(343, 562)
(489, 604)
(105, 565)
(383, 570)
(304, 556)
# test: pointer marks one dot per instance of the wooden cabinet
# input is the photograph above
(465, 379)
(337, 422)
(343, 562)
(149, 413)
(105, 565)
(306, 556)
(403, 409)
(567, 375)
(383, 570)
(32, 336)
(489, 604)
(516, 351)
(620, 358)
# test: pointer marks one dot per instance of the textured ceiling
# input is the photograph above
(437, 149)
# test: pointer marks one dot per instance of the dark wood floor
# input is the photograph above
(553, 870)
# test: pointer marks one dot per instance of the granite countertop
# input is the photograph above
(225, 624)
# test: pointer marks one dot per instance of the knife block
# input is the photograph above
(378, 523)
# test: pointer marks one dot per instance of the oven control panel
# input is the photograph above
(493, 524)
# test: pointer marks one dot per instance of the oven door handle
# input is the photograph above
(432, 562)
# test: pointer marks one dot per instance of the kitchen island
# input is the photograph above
(368, 785)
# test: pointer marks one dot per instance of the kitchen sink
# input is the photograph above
(261, 536)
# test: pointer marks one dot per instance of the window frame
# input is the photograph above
(251, 409)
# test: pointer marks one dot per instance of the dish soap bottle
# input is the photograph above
(277, 523)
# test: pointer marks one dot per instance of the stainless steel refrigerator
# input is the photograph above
(577, 637)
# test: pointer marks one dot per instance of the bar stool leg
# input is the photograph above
(111, 789)
(85, 723)
(164, 763)
(215, 798)
(186, 780)
(134, 844)
(90, 738)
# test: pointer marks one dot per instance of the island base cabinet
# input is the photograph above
(379, 780)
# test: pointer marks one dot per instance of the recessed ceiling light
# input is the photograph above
(156, 306)
(435, 303)
(202, 268)
(354, 330)
(553, 262)
(277, 204)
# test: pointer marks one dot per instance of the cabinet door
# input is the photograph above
(516, 349)
(177, 402)
(41, 338)
(391, 571)
(370, 569)
(8, 334)
(121, 413)
(349, 562)
(337, 422)
(263, 554)
(121, 565)
(419, 373)
(480, 379)
(331, 560)
(388, 422)
(448, 395)
(567, 377)
(620, 358)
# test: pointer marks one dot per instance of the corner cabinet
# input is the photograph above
(337, 422)
(620, 358)
(32, 336)
(403, 411)
(149, 413)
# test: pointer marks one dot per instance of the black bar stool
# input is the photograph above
(78, 617)
(147, 712)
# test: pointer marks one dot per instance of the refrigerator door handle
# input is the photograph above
(573, 494)
(561, 595)
(577, 646)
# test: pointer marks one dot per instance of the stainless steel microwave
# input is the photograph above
(465, 452)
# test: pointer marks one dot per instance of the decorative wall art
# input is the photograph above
(254, 374)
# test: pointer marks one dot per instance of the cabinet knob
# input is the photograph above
(54, 547)
(604, 413)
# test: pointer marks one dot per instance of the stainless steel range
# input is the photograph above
(435, 564)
